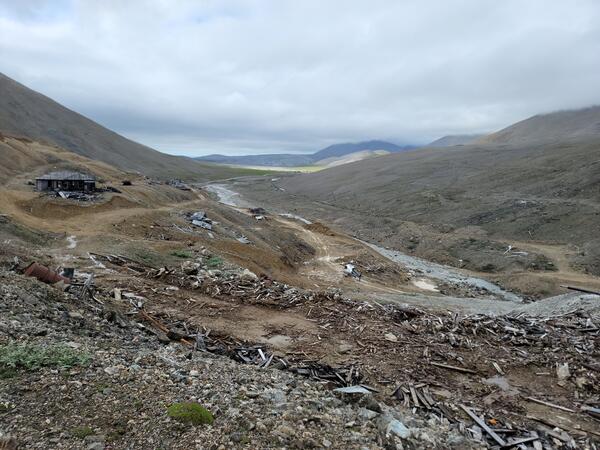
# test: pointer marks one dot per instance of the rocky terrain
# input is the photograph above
(174, 318)
(116, 390)
(94, 373)
(170, 315)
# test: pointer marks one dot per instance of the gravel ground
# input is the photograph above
(119, 399)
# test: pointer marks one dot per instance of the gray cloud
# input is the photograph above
(257, 76)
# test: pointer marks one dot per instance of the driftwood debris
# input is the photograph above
(551, 405)
(578, 289)
(448, 366)
(484, 426)
(257, 355)
(446, 339)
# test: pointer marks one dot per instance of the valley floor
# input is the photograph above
(255, 320)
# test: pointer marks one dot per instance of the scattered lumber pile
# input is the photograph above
(178, 184)
(242, 287)
(435, 364)
(255, 354)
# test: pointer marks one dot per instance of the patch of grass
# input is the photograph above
(33, 357)
(101, 386)
(214, 262)
(6, 406)
(81, 432)
(191, 413)
(7, 372)
(182, 254)
(146, 255)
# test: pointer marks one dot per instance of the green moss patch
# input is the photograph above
(191, 413)
(81, 432)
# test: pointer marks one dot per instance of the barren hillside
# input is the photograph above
(447, 204)
(26, 113)
(455, 139)
(573, 125)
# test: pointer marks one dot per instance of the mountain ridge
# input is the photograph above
(455, 139)
(28, 113)
(571, 125)
(291, 160)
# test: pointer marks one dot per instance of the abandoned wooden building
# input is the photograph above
(66, 181)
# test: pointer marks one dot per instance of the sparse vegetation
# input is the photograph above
(191, 413)
(146, 256)
(182, 254)
(33, 357)
(266, 170)
(7, 372)
(214, 262)
(81, 432)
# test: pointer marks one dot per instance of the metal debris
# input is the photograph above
(44, 274)
(200, 219)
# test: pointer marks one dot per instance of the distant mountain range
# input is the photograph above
(26, 113)
(326, 155)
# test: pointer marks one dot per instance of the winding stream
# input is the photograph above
(429, 269)
(444, 273)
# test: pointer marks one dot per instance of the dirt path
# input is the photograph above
(560, 255)
(325, 269)
(327, 264)
(332, 247)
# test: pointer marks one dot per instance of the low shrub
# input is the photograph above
(214, 262)
(82, 432)
(32, 357)
(182, 254)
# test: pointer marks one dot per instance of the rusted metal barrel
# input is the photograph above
(44, 274)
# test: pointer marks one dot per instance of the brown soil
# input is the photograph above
(339, 332)
(538, 269)
(318, 227)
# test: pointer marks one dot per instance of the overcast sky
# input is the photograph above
(235, 77)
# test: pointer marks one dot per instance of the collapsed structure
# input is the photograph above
(66, 181)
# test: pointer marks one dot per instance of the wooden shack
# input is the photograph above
(66, 181)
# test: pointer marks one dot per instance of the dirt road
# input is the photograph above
(334, 247)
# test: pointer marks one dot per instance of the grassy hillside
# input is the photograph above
(346, 149)
(333, 161)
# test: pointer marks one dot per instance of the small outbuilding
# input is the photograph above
(66, 181)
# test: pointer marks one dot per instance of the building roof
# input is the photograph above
(67, 175)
